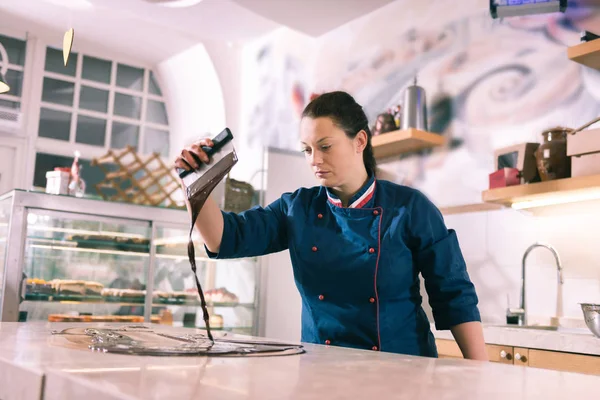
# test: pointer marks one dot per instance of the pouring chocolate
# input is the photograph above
(199, 182)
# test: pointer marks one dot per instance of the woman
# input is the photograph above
(357, 244)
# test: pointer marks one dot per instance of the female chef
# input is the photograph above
(357, 244)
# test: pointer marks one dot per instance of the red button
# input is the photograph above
(321, 297)
(372, 300)
(374, 348)
(371, 250)
(327, 342)
(314, 248)
(376, 212)
(320, 216)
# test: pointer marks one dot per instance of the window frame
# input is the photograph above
(31, 101)
(22, 68)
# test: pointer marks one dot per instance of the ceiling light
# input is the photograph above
(67, 45)
(514, 8)
(175, 3)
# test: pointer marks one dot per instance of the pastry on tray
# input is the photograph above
(220, 295)
(64, 318)
(111, 292)
(35, 286)
(36, 281)
(160, 295)
(133, 293)
(216, 321)
(185, 295)
(124, 293)
(68, 287)
(93, 288)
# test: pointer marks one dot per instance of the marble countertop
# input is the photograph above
(580, 341)
(27, 356)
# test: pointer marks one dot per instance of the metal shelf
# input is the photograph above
(75, 299)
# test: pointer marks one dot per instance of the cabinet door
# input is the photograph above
(559, 361)
(521, 356)
(500, 354)
(449, 349)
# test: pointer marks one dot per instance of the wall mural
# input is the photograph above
(489, 83)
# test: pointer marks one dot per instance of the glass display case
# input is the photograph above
(84, 260)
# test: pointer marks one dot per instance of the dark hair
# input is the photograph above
(347, 115)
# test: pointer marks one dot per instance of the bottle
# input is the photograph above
(414, 108)
(76, 184)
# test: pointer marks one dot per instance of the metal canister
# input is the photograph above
(414, 108)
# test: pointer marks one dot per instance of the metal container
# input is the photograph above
(591, 315)
(414, 108)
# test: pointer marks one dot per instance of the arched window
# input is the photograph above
(12, 64)
(92, 105)
(103, 103)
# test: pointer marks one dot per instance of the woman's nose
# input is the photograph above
(316, 159)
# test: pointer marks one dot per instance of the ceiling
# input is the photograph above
(153, 33)
(312, 17)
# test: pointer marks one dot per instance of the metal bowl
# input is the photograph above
(591, 315)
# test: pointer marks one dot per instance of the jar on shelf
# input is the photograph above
(551, 157)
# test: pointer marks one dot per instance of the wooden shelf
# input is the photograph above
(394, 143)
(582, 186)
(468, 208)
(587, 53)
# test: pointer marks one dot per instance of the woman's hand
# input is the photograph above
(210, 220)
(192, 155)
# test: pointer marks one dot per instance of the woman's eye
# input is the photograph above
(305, 150)
(325, 147)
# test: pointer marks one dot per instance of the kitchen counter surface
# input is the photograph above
(580, 341)
(26, 352)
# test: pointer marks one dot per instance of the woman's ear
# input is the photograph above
(361, 140)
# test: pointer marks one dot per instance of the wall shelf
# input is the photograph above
(394, 143)
(469, 208)
(567, 190)
(586, 53)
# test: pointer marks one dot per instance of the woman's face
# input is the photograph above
(334, 158)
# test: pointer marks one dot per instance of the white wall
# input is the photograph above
(195, 101)
(493, 244)
(280, 302)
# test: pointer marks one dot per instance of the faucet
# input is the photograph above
(521, 311)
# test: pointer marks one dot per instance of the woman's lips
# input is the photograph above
(321, 174)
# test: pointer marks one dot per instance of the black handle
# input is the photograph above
(218, 142)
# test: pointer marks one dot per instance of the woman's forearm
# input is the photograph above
(209, 224)
(469, 336)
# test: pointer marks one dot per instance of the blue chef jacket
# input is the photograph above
(357, 268)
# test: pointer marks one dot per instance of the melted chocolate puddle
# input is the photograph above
(141, 340)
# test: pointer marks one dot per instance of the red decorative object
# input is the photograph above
(505, 177)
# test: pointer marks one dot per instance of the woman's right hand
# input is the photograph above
(186, 159)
